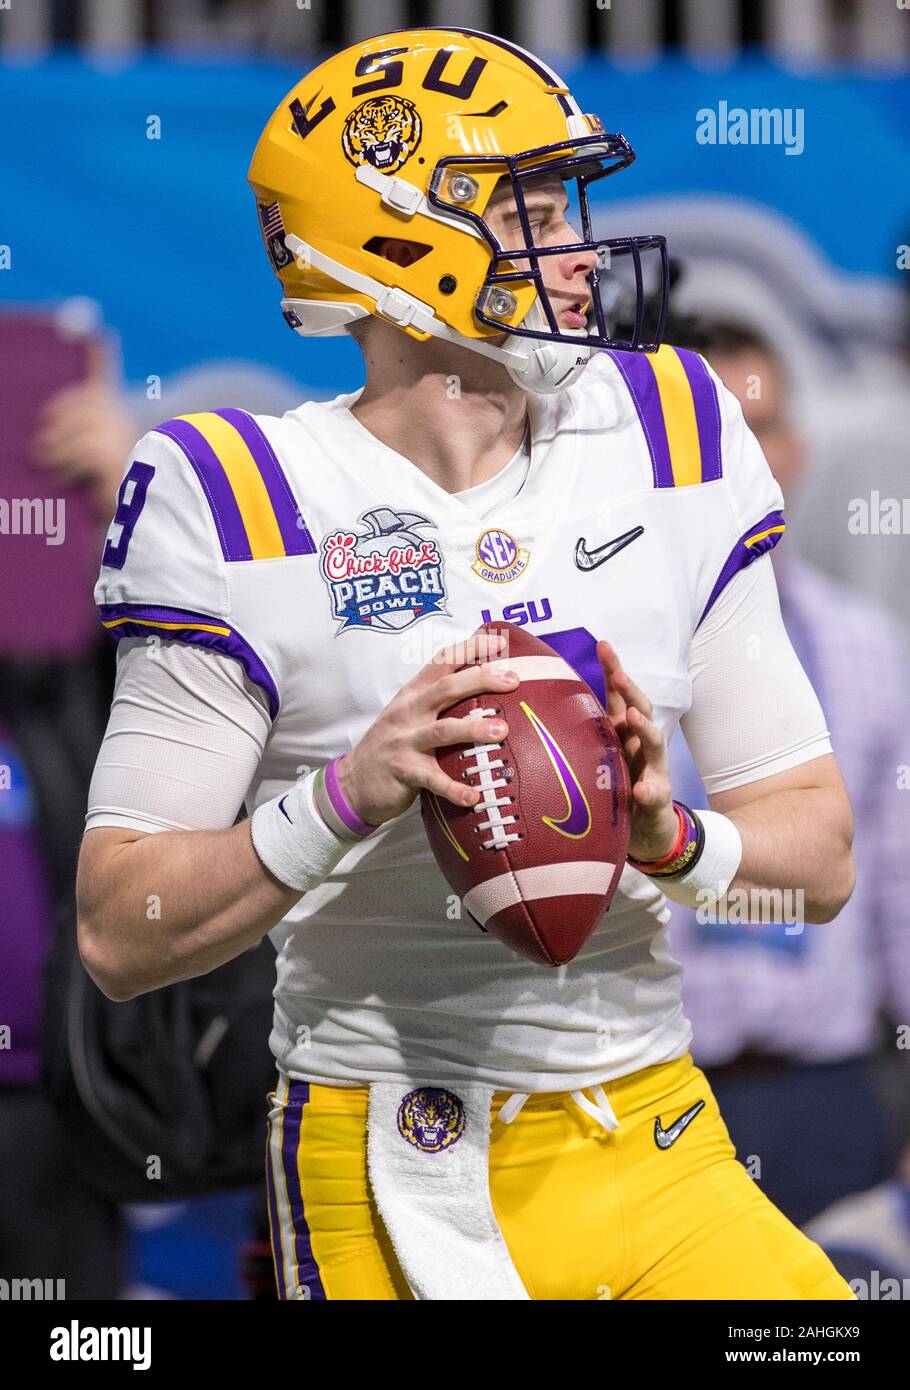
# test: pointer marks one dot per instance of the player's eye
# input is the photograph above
(537, 220)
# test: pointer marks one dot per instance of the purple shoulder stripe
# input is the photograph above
(214, 482)
(761, 537)
(638, 374)
(297, 539)
(707, 413)
(193, 629)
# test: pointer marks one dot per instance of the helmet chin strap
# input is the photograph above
(548, 367)
(532, 363)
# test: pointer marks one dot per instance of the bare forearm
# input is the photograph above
(797, 839)
(167, 907)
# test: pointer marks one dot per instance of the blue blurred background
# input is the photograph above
(161, 232)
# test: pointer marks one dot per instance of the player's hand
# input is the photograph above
(396, 758)
(85, 434)
(654, 823)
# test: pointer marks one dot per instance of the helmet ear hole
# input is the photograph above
(405, 252)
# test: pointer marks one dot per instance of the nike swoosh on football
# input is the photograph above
(587, 559)
(577, 819)
(664, 1138)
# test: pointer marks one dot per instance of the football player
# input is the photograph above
(294, 599)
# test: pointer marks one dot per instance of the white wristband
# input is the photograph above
(714, 871)
(293, 841)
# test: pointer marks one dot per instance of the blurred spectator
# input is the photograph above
(86, 433)
(788, 1023)
(53, 711)
(89, 429)
(867, 1237)
(54, 693)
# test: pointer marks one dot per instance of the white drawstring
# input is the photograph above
(602, 1112)
(511, 1107)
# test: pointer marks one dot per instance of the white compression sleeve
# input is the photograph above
(754, 712)
(185, 735)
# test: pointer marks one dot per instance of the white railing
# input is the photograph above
(797, 32)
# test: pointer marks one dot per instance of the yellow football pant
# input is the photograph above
(585, 1214)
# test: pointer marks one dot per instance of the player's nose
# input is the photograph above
(579, 261)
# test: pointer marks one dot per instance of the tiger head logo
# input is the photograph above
(382, 131)
(431, 1119)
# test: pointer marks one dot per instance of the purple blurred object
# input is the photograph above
(26, 922)
(47, 608)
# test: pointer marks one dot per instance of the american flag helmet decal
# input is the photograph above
(273, 234)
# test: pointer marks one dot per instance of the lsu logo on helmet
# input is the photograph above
(382, 131)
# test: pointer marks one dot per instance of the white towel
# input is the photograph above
(428, 1154)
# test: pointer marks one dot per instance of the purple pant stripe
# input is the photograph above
(707, 413)
(307, 1269)
(294, 533)
(235, 544)
(638, 374)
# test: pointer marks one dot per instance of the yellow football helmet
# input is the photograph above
(406, 135)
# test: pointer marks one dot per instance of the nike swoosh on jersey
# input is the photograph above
(586, 559)
(664, 1138)
(282, 810)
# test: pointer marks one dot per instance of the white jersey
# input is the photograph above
(332, 569)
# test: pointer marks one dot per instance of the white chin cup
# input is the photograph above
(547, 367)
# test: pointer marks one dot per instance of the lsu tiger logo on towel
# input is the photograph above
(431, 1119)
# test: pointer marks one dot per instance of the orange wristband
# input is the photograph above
(650, 866)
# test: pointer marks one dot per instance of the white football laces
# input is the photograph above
(483, 766)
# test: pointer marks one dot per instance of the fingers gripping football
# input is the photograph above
(396, 759)
(654, 824)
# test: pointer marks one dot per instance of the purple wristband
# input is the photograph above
(334, 807)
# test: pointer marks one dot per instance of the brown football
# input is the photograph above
(537, 860)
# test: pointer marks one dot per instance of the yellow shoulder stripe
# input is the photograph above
(246, 482)
(679, 416)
